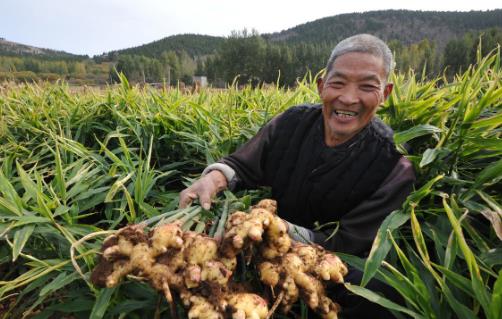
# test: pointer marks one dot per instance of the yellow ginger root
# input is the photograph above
(201, 308)
(199, 269)
(269, 273)
(130, 242)
(165, 237)
(300, 272)
(293, 270)
(192, 276)
(268, 204)
(331, 268)
(291, 293)
(199, 251)
(261, 224)
(199, 248)
(247, 306)
(237, 306)
(308, 254)
(278, 241)
(244, 229)
(169, 259)
(216, 272)
(308, 285)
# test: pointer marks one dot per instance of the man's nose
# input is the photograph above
(349, 95)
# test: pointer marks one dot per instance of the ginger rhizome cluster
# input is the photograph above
(199, 269)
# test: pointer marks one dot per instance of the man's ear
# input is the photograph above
(387, 90)
(320, 85)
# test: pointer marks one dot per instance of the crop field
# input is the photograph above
(77, 165)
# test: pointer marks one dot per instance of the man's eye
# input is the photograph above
(368, 87)
(336, 84)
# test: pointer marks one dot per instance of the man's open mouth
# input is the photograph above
(345, 113)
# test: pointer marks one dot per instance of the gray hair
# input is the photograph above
(365, 43)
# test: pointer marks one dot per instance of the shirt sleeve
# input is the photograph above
(248, 161)
(358, 228)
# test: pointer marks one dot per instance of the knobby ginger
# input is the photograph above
(198, 269)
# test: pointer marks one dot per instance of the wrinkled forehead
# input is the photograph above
(362, 76)
(360, 65)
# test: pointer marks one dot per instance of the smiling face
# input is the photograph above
(351, 93)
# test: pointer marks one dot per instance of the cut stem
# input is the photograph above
(169, 298)
(275, 305)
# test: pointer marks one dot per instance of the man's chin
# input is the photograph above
(337, 136)
(343, 127)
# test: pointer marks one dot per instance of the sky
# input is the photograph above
(95, 26)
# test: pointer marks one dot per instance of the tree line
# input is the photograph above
(406, 26)
(254, 60)
(34, 68)
(247, 57)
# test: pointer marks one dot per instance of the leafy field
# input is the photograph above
(77, 164)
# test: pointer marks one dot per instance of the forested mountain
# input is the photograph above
(192, 44)
(421, 40)
(407, 27)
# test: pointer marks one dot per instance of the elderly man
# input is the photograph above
(329, 162)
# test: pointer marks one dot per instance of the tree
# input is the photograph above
(31, 65)
(457, 55)
(244, 56)
(171, 65)
(199, 70)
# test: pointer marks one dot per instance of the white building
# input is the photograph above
(202, 80)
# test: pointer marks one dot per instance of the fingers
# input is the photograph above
(205, 200)
(186, 198)
(204, 189)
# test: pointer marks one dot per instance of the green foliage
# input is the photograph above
(407, 27)
(417, 38)
(21, 69)
(192, 44)
(425, 42)
(438, 261)
(248, 58)
(77, 165)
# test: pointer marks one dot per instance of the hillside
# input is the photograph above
(193, 44)
(9, 48)
(421, 40)
(406, 26)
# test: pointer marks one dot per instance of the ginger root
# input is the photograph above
(198, 269)
(300, 273)
(261, 225)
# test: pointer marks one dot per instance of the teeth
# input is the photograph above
(345, 113)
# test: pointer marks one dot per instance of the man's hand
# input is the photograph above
(204, 189)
